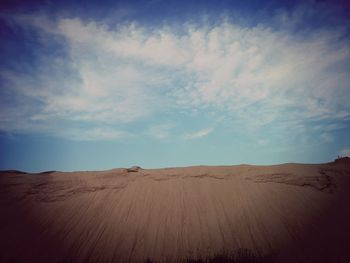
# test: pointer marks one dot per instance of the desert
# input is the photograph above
(242, 213)
(175, 131)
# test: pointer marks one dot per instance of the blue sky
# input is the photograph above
(91, 86)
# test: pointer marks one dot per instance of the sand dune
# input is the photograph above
(281, 213)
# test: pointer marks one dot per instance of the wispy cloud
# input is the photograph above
(112, 76)
(326, 138)
(93, 134)
(345, 152)
(198, 134)
(161, 131)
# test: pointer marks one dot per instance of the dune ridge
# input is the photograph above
(283, 213)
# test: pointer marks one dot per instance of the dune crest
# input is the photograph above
(286, 213)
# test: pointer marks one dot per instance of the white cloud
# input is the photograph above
(127, 73)
(92, 134)
(198, 134)
(345, 152)
(326, 138)
(161, 131)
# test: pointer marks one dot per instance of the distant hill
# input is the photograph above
(342, 160)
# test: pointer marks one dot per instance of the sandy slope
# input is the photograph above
(290, 212)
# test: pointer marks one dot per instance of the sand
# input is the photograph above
(281, 213)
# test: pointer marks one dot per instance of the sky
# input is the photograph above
(86, 85)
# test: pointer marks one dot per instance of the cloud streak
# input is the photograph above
(198, 134)
(345, 152)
